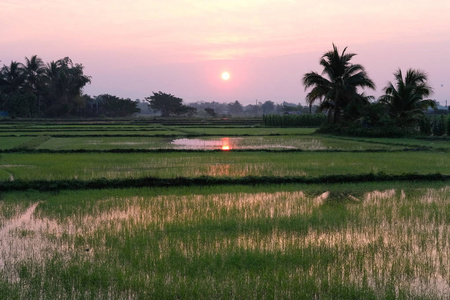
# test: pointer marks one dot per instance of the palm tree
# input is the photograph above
(64, 83)
(405, 100)
(339, 87)
(12, 78)
(12, 89)
(34, 70)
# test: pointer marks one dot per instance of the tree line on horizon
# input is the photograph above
(35, 89)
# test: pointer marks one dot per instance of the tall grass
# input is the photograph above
(289, 242)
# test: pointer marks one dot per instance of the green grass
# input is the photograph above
(231, 131)
(367, 241)
(409, 142)
(87, 166)
(13, 142)
(75, 133)
(105, 143)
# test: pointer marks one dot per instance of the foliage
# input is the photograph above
(383, 127)
(168, 104)
(425, 125)
(34, 70)
(340, 86)
(448, 125)
(12, 78)
(235, 108)
(36, 89)
(210, 111)
(405, 99)
(303, 120)
(268, 107)
(64, 82)
(438, 125)
(113, 106)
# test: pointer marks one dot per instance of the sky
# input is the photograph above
(181, 47)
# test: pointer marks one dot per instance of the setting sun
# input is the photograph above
(225, 75)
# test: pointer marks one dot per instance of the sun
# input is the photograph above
(225, 75)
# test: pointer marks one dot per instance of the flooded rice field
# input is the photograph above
(373, 240)
(305, 142)
(238, 143)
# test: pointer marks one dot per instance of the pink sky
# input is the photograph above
(131, 48)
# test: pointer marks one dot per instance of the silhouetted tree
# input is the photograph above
(11, 89)
(54, 89)
(63, 89)
(210, 111)
(168, 104)
(113, 106)
(252, 110)
(339, 88)
(12, 77)
(34, 70)
(268, 107)
(235, 108)
(404, 99)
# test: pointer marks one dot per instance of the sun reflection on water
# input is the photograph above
(225, 144)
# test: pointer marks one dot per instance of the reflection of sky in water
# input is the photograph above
(222, 143)
(385, 241)
(225, 143)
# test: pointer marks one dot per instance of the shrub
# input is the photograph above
(448, 125)
(304, 120)
(425, 126)
(384, 128)
(438, 126)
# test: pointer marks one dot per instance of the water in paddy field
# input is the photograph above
(379, 238)
(204, 144)
(237, 143)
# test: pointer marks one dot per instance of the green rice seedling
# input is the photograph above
(83, 133)
(367, 241)
(90, 166)
(305, 142)
(247, 131)
(406, 142)
(105, 143)
(34, 142)
(10, 142)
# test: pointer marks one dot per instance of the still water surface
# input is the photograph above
(228, 143)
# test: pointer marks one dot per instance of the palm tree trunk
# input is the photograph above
(330, 116)
(337, 114)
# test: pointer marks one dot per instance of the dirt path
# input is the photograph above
(21, 240)
(17, 222)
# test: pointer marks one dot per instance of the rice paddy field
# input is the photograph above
(281, 239)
